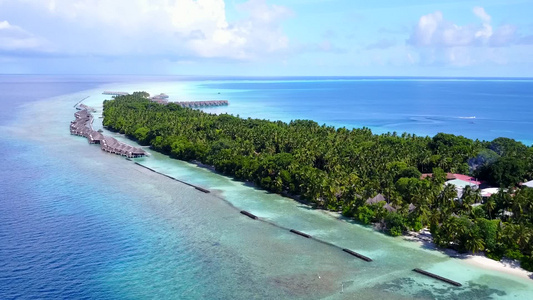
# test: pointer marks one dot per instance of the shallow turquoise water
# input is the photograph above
(81, 223)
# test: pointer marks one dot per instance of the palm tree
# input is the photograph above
(504, 202)
(475, 243)
(522, 235)
(469, 197)
(489, 206)
(446, 199)
(518, 207)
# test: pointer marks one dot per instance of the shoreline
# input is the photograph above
(423, 238)
(370, 280)
(479, 259)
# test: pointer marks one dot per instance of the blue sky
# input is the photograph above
(268, 37)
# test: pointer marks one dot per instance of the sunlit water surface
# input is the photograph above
(81, 223)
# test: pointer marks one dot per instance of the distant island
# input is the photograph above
(473, 195)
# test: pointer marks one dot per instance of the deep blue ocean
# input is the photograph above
(477, 109)
(78, 223)
(44, 252)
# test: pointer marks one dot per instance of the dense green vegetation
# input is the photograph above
(339, 169)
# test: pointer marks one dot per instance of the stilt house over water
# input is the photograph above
(82, 126)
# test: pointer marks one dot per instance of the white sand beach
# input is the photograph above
(507, 266)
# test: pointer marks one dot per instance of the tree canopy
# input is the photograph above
(339, 169)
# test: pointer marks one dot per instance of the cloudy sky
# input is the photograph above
(268, 37)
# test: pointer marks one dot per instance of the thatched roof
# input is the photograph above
(389, 207)
(376, 199)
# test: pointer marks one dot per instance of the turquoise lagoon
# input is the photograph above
(81, 223)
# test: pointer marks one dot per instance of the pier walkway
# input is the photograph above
(163, 99)
(88, 108)
(191, 104)
(195, 104)
(113, 93)
(82, 126)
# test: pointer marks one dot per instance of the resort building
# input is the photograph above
(460, 182)
(195, 104)
(487, 192)
(387, 206)
(528, 184)
(82, 126)
(378, 198)
(163, 99)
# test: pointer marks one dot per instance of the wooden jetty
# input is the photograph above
(435, 276)
(197, 104)
(190, 104)
(83, 106)
(163, 99)
(113, 93)
(365, 258)
(76, 105)
(82, 126)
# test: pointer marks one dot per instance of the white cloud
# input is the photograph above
(249, 38)
(189, 28)
(485, 32)
(261, 12)
(433, 30)
(440, 41)
(425, 31)
(14, 38)
(482, 14)
(504, 35)
(5, 25)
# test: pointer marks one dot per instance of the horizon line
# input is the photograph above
(277, 76)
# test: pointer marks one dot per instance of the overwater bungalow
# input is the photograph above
(95, 137)
(85, 107)
(195, 104)
(160, 96)
(82, 126)
(112, 93)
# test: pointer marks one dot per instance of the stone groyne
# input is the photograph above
(300, 233)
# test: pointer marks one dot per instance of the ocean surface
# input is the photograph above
(78, 223)
(477, 109)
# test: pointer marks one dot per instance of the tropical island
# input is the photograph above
(399, 182)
